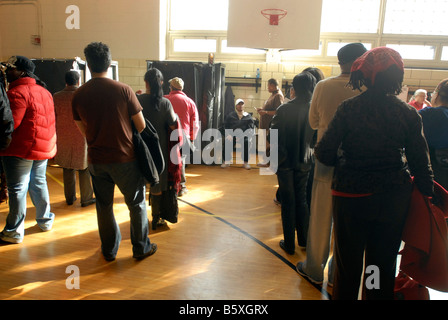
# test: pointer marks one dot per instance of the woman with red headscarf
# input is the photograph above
(375, 143)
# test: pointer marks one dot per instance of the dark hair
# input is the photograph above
(71, 78)
(442, 91)
(273, 81)
(304, 84)
(154, 78)
(98, 57)
(386, 82)
(316, 72)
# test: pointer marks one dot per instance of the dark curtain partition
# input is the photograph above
(204, 83)
(52, 72)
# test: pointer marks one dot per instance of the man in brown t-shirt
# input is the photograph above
(103, 110)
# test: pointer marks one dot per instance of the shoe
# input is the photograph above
(282, 245)
(277, 202)
(182, 191)
(225, 165)
(263, 165)
(157, 222)
(151, 251)
(108, 257)
(88, 203)
(246, 166)
(10, 239)
(299, 269)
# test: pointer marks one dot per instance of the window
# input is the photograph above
(199, 14)
(351, 16)
(415, 28)
(414, 52)
(195, 45)
(445, 54)
(417, 17)
(236, 50)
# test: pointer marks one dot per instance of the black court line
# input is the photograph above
(279, 256)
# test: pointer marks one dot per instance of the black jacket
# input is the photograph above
(6, 120)
(376, 143)
(295, 136)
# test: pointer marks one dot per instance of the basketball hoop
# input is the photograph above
(274, 15)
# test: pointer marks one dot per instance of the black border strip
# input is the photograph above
(287, 262)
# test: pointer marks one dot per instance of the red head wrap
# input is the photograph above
(377, 60)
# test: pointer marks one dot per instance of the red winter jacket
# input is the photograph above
(34, 136)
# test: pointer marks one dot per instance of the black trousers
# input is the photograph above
(373, 226)
(295, 211)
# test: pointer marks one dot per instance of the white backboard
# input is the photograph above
(298, 29)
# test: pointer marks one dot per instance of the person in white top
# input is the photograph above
(328, 95)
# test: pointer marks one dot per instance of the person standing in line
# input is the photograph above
(419, 99)
(435, 128)
(328, 94)
(33, 143)
(6, 129)
(186, 110)
(295, 157)
(103, 110)
(71, 144)
(376, 144)
(159, 111)
(267, 113)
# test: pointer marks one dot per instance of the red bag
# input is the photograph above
(409, 289)
(425, 254)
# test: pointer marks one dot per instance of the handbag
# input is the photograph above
(407, 288)
(169, 206)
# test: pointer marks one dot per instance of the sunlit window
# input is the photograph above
(194, 45)
(418, 17)
(238, 50)
(414, 52)
(445, 54)
(302, 52)
(351, 16)
(199, 14)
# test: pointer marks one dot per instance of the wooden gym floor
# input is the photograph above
(224, 247)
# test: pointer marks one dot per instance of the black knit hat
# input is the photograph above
(351, 52)
(20, 63)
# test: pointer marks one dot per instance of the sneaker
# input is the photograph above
(151, 251)
(282, 245)
(88, 203)
(225, 165)
(182, 191)
(246, 166)
(299, 269)
(263, 165)
(14, 240)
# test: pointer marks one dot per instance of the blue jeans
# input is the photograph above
(130, 181)
(24, 175)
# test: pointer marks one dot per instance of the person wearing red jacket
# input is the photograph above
(33, 143)
(186, 110)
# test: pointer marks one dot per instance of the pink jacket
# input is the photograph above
(34, 136)
(187, 111)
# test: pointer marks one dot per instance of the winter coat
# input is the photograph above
(71, 144)
(34, 136)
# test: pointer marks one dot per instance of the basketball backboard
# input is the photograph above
(295, 24)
